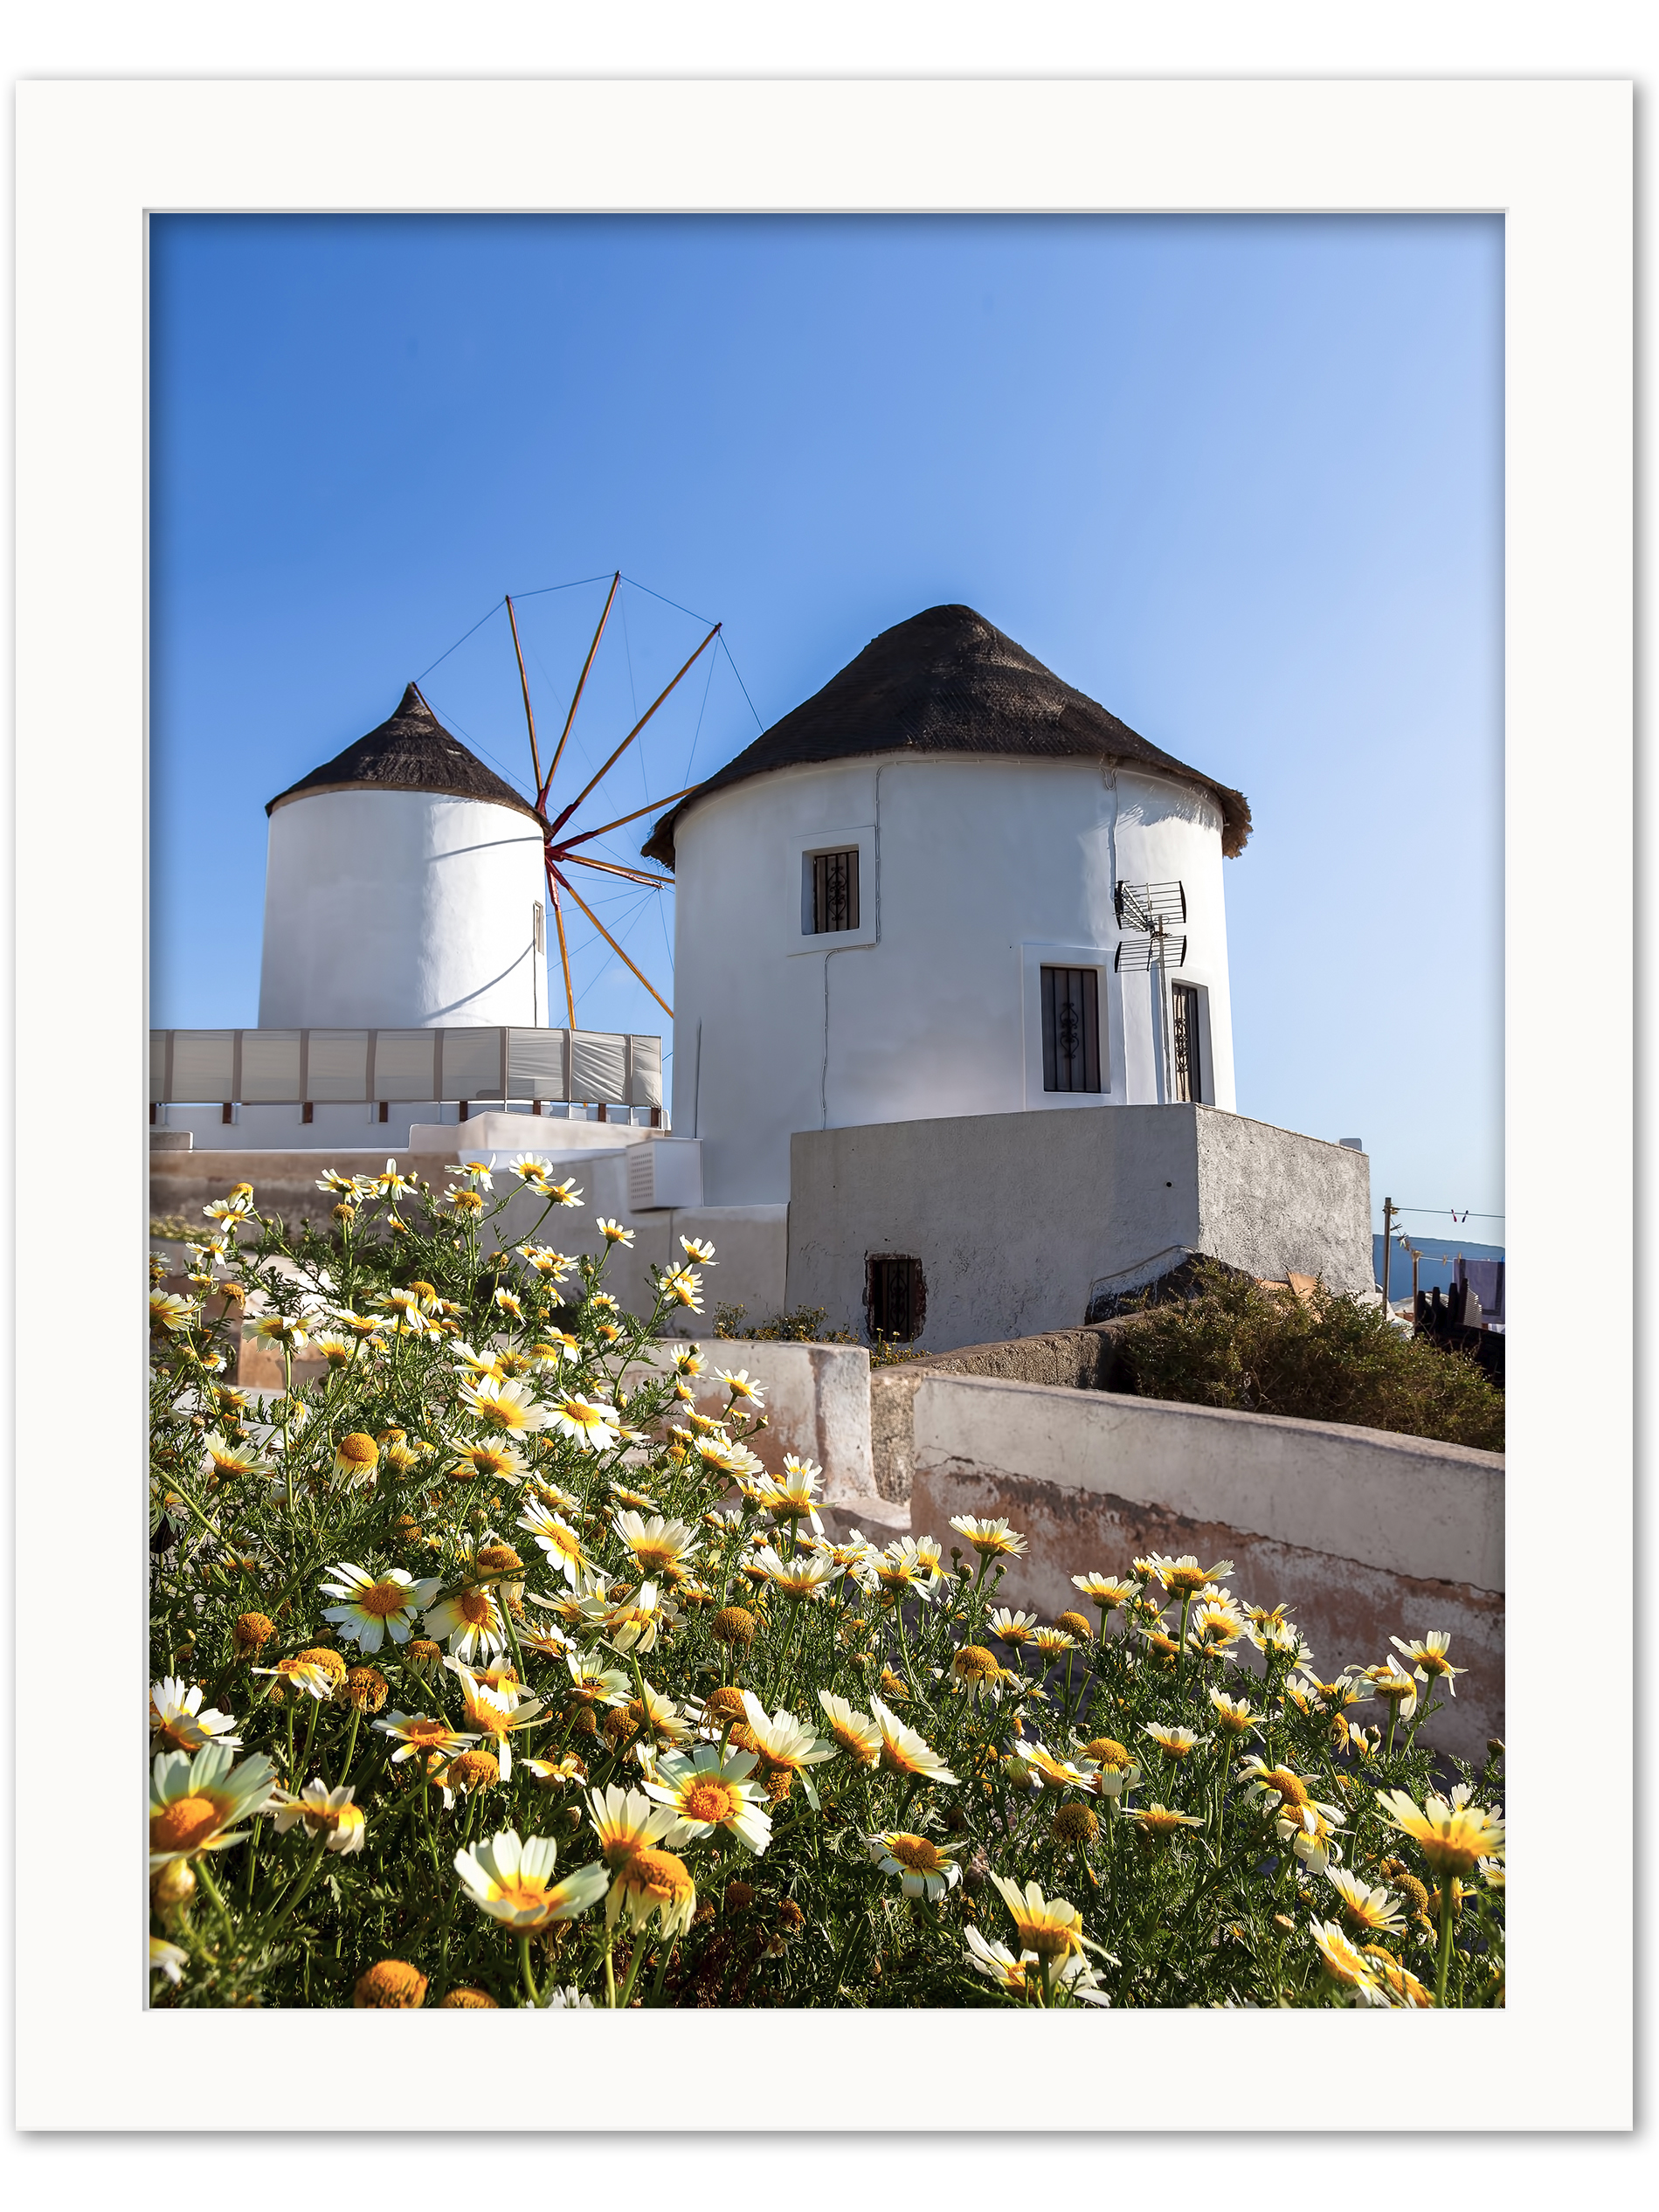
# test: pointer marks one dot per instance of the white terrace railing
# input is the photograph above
(276, 1067)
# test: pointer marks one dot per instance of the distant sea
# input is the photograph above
(1437, 1265)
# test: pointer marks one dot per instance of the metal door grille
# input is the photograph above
(896, 1298)
(1186, 1077)
(1070, 1029)
(834, 891)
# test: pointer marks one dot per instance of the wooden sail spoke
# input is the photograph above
(564, 815)
(614, 946)
(541, 788)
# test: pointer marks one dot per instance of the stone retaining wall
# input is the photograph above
(1361, 1534)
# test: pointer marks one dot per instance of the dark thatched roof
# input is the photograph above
(411, 751)
(948, 682)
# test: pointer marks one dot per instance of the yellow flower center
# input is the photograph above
(916, 1853)
(1292, 1790)
(473, 1606)
(185, 1824)
(393, 1983)
(357, 1450)
(657, 1875)
(1106, 1751)
(711, 1801)
(974, 1664)
(849, 1739)
(654, 1554)
(383, 1601)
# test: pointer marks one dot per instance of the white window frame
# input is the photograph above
(1033, 959)
(797, 937)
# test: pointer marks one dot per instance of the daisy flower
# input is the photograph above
(613, 1232)
(495, 1710)
(659, 1547)
(325, 1812)
(374, 1606)
(925, 1868)
(1178, 1742)
(557, 1539)
(625, 1821)
(1405, 1988)
(991, 1539)
(196, 1799)
(976, 1669)
(510, 1406)
(594, 1685)
(705, 1792)
(1234, 1715)
(476, 1171)
(808, 1575)
(637, 1621)
(469, 1621)
(542, 1259)
(785, 1744)
(1109, 1768)
(304, 1673)
(855, 1733)
(684, 1288)
(796, 1497)
(1052, 1641)
(1160, 1821)
(513, 1881)
(282, 1329)
(1049, 1926)
(495, 1461)
(1032, 1763)
(1346, 1965)
(905, 1752)
(393, 1183)
(1452, 1837)
(1012, 1628)
(1184, 1578)
(229, 1462)
(589, 1420)
(651, 1881)
(1392, 1682)
(175, 1716)
(1377, 1910)
(508, 1304)
(702, 1252)
(420, 1732)
(1428, 1657)
(1107, 1591)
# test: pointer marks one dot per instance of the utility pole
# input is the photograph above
(1387, 1246)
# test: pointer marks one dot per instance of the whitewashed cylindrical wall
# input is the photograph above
(974, 873)
(401, 910)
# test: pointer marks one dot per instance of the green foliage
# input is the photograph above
(972, 1738)
(804, 1325)
(1258, 1350)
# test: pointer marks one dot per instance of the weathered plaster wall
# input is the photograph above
(817, 1406)
(1015, 1216)
(1362, 1535)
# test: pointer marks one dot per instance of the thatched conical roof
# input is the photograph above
(948, 682)
(410, 751)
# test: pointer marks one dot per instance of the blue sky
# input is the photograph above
(1239, 479)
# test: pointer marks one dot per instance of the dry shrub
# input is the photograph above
(1254, 1349)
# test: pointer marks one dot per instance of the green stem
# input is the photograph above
(222, 1911)
(524, 1969)
(1445, 1937)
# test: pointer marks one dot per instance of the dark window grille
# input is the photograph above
(834, 891)
(1070, 1029)
(896, 1298)
(1184, 1038)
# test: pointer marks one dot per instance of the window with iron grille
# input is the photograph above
(1186, 1075)
(896, 1298)
(1070, 1029)
(833, 885)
